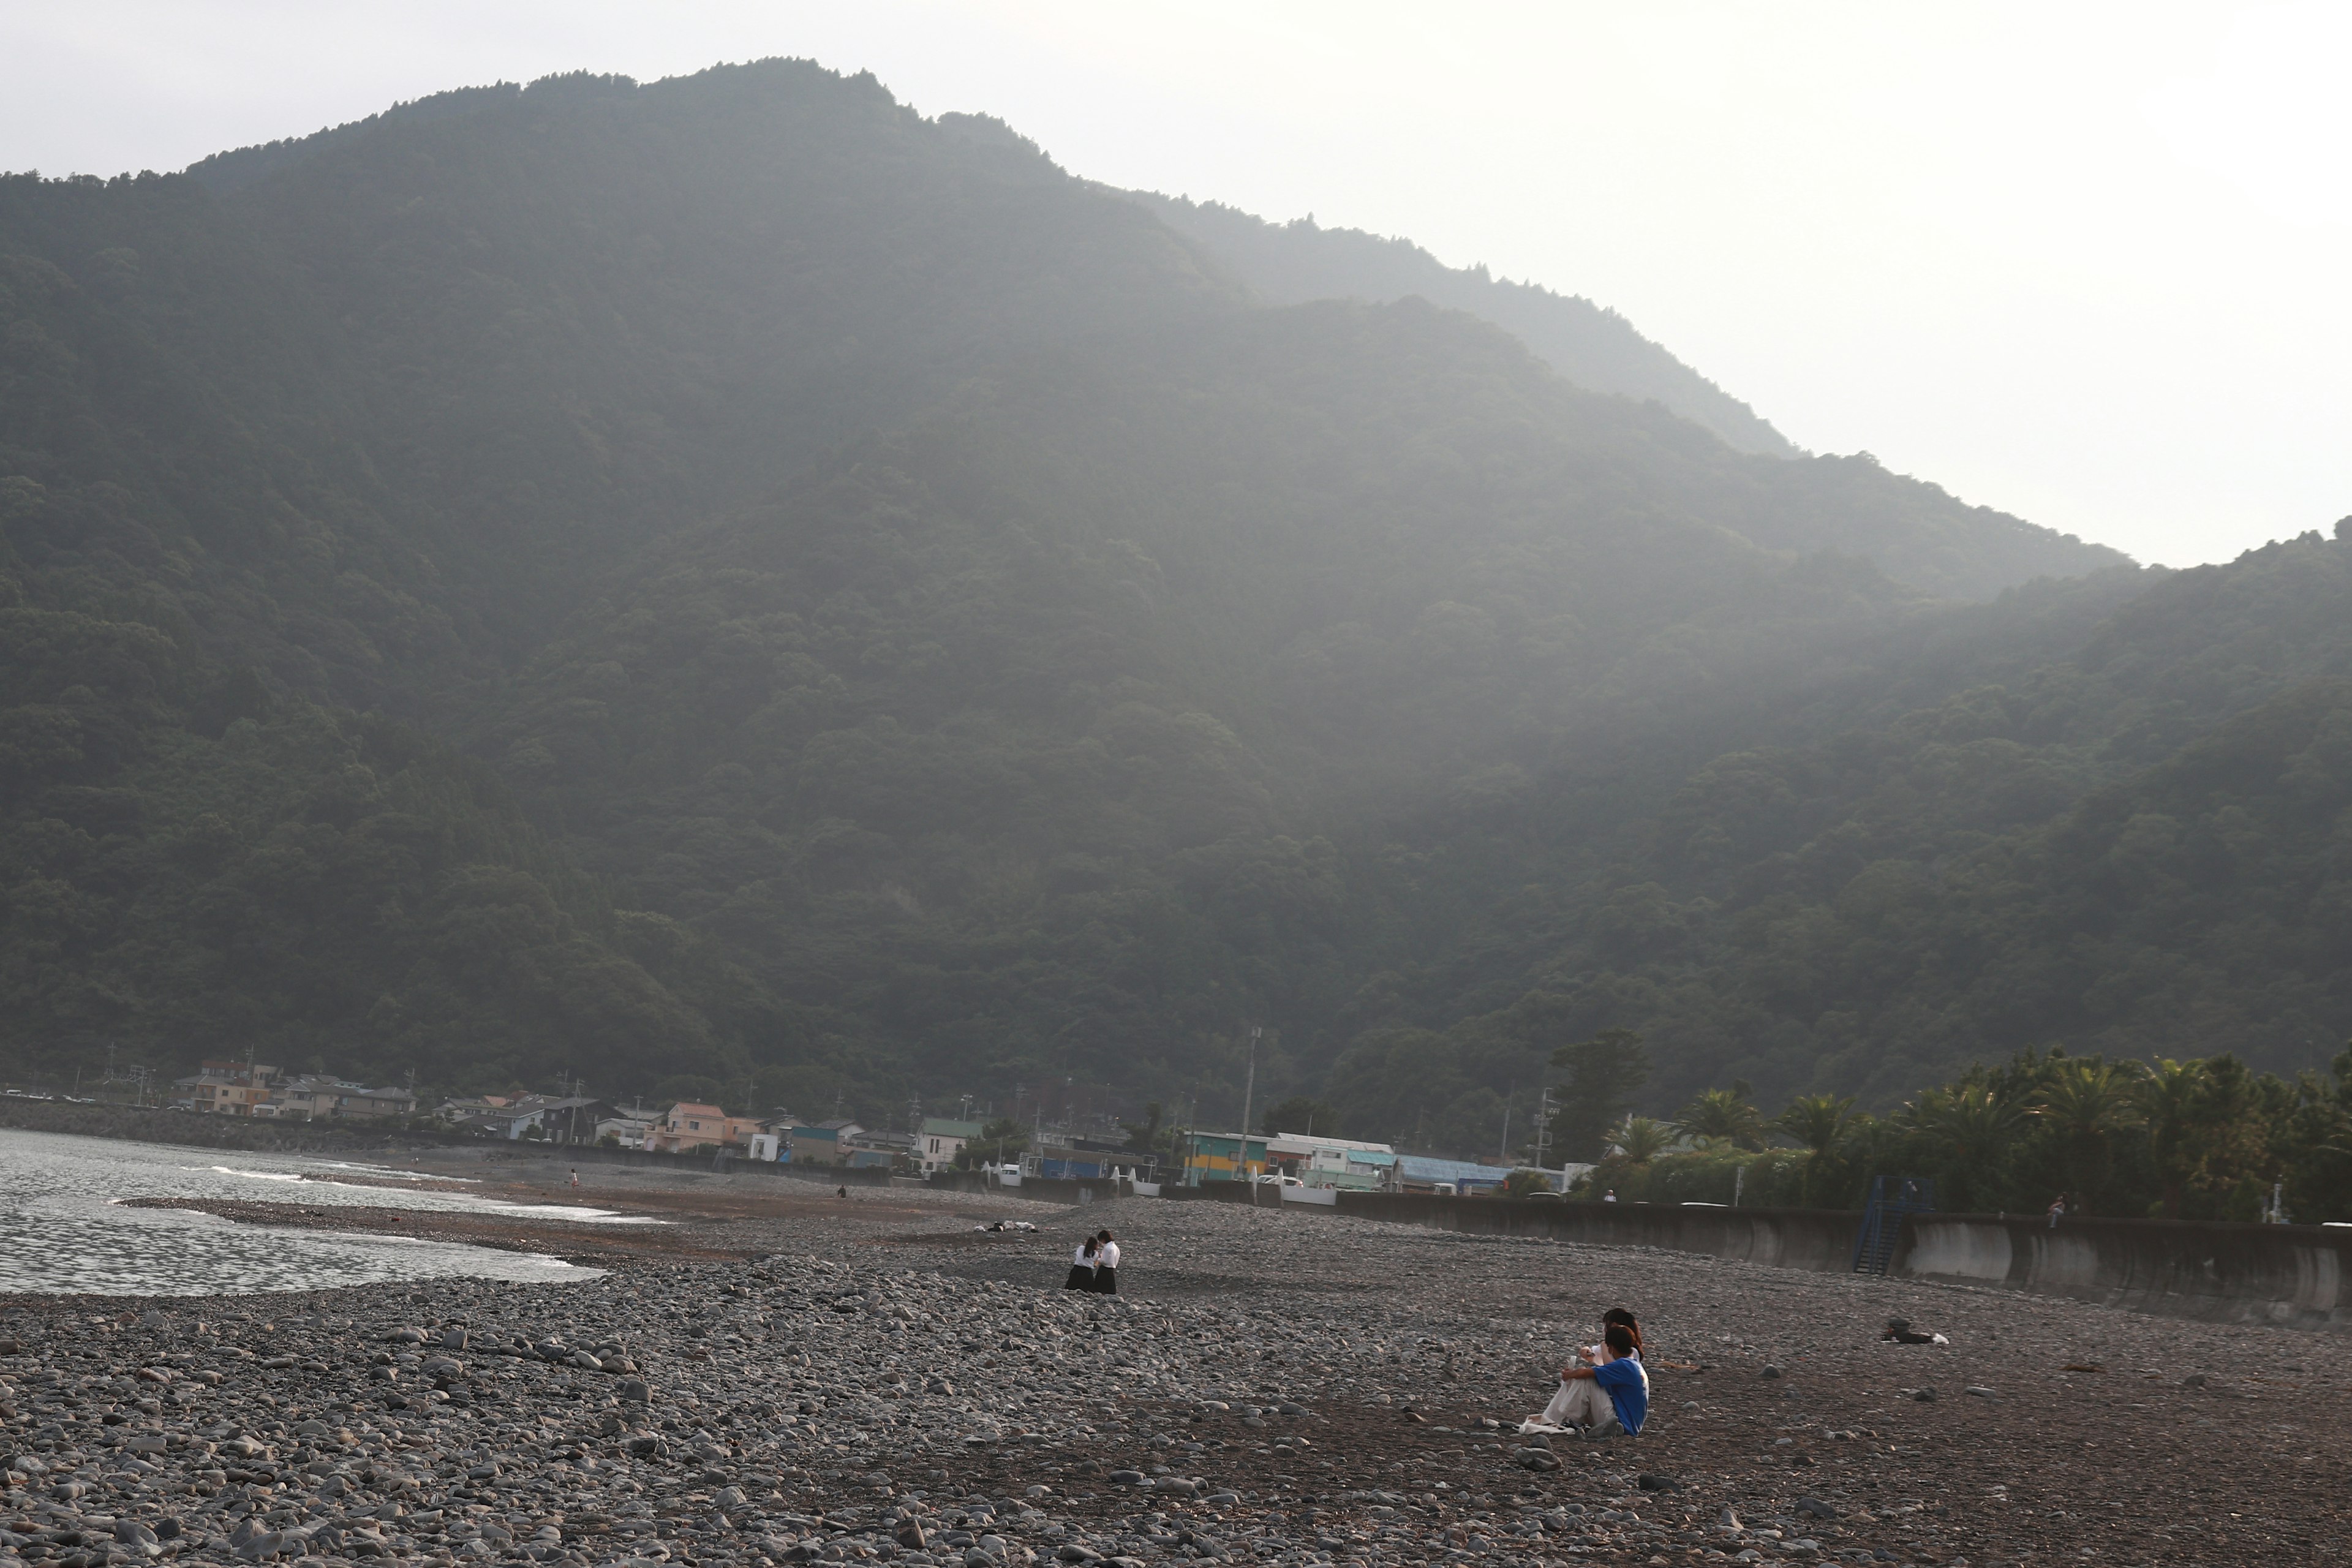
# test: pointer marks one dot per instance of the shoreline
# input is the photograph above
(779, 1377)
(198, 1130)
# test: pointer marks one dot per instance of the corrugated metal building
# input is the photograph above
(1419, 1173)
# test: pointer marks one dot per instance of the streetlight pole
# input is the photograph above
(1543, 1127)
(1249, 1092)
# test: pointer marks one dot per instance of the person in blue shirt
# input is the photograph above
(1620, 1377)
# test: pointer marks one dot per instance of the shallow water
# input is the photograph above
(63, 1227)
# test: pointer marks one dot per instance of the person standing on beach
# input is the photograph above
(575, 1178)
(1082, 1267)
(1106, 1265)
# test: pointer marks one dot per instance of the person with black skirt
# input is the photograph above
(1106, 1265)
(1082, 1267)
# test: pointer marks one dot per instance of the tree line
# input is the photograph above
(2200, 1138)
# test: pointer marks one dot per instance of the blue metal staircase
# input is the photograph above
(1891, 1199)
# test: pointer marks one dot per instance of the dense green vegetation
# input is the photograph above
(2142, 847)
(731, 584)
(2195, 1139)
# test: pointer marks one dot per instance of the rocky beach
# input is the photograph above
(777, 1374)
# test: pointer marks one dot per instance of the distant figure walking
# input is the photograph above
(1609, 1196)
(1082, 1267)
(575, 1178)
(2057, 1210)
(1106, 1265)
(841, 1192)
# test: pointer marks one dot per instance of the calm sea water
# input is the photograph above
(64, 1229)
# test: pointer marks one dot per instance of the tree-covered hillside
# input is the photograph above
(1292, 263)
(729, 582)
(2127, 828)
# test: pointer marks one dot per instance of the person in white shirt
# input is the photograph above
(1106, 1265)
(1583, 1405)
(1082, 1267)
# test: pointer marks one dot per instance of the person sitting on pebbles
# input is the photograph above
(1106, 1265)
(1620, 1376)
(1082, 1267)
(1612, 1392)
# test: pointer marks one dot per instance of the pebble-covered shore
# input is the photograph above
(875, 1378)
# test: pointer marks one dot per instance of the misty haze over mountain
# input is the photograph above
(731, 586)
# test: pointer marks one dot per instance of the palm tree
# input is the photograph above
(2084, 1103)
(1816, 1124)
(1723, 1113)
(1971, 1126)
(1641, 1139)
(2166, 1097)
(2089, 1099)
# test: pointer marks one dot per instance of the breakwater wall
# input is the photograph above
(1820, 1240)
(2291, 1276)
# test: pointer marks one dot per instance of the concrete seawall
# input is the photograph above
(2294, 1276)
(1818, 1240)
(2291, 1276)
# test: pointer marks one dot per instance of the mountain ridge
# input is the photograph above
(1590, 345)
(892, 617)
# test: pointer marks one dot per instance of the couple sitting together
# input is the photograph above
(1607, 1391)
(1094, 1266)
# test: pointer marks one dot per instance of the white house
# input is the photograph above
(941, 1140)
(1331, 1161)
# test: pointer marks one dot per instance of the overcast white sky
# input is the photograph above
(2090, 263)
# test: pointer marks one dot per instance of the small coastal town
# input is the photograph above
(926, 1145)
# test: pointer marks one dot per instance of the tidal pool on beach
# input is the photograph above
(64, 1229)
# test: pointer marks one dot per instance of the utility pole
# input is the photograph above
(1509, 1095)
(1543, 1126)
(1249, 1092)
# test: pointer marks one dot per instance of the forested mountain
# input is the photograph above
(1292, 263)
(2127, 828)
(731, 584)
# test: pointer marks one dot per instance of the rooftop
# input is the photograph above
(1302, 1141)
(1421, 1168)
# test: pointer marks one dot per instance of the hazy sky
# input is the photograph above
(2084, 262)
